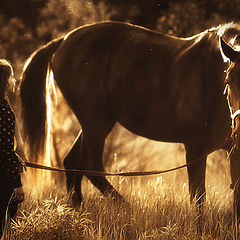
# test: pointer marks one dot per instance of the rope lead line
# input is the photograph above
(26, 164)
(100, 173)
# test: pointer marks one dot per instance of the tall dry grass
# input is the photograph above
(158, 206)
(157, 210)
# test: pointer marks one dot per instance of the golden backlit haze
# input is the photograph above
(159, 204)
(124, 151)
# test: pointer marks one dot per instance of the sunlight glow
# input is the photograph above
(223, 28)
(61, 131)
(50, 91)
(51, 99)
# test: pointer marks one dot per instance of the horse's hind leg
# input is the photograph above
(73, 181)
(94, 139)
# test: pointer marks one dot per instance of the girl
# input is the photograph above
(10, 166)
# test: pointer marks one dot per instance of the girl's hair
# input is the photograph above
(6, 68)
(6, 73)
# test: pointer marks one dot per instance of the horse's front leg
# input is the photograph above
(235, 176)
(196, 177)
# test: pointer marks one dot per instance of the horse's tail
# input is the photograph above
(33, 95)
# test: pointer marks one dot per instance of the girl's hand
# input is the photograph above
(18, 195)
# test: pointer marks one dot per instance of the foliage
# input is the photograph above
(27, 24)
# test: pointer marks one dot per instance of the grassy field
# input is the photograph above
(156, 210)
(158, 206)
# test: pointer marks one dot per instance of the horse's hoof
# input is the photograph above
(76, 200)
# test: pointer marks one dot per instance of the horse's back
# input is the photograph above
(107, 39)
(118, 65)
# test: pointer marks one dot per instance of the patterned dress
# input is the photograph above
(9, 163)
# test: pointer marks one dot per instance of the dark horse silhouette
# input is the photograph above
(157, 86)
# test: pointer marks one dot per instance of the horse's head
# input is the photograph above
(232, 89)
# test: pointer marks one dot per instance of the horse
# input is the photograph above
(161, 87)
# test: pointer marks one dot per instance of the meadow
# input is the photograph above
(157, 206)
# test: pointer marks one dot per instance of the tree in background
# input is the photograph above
(28, 24)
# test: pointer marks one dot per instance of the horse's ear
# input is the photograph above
(228, 51)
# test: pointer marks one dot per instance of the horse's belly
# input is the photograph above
(161, 130)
